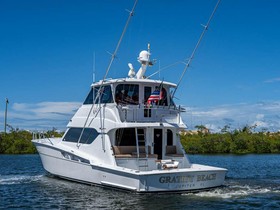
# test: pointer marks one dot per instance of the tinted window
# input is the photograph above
(125, 137)
(105, 95)
(147, 93)
(127, 94)
(169, 137)
(163, 96)
(89, 99)
(73, 135)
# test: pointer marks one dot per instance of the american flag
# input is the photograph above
(155, 97)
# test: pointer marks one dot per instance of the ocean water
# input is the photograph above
(252, 182)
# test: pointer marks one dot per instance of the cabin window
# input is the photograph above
(170, 98)
(73, 135)
(169, 137)
(147, 93)
(172, 102)
(89, 99)
(127, 94)
(163, 97)
(104, 96)
(125, 137)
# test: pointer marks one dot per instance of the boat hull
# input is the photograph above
(197, 177)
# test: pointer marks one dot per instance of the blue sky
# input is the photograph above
(47, 47)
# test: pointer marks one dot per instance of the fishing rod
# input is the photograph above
(196, 47)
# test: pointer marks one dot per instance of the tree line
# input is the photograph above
(19, 141)
(238, 141)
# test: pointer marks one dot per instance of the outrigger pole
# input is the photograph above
(196, 47)
(107, 71)
(120, 40)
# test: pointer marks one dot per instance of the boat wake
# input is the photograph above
(18, 179)
(238, 190)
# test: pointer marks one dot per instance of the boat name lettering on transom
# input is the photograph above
(206, 177)
(176, 179)
(186, 179)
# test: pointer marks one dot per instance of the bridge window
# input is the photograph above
(147, 93)
(104, 95)
(127, 94)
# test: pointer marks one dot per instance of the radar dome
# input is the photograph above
(144, 56)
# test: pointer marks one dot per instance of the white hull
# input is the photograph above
(197, 177)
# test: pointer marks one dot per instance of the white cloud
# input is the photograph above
(46, 115)
(41, 116)
(272, 80)
(259, 116)
(261, 124)
(265, 115)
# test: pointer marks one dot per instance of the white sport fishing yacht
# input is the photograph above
(126, 135)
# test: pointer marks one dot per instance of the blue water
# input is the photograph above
(253, 182)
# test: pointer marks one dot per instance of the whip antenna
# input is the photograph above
(196, 47)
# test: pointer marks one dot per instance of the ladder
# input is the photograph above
(141, 141)
(140, 133)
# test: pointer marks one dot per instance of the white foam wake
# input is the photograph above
(236, 191)
(18, 179)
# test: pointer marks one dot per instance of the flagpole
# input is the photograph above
(6, 111)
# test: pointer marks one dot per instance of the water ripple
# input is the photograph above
(253, 182)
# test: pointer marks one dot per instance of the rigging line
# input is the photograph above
(196, 47)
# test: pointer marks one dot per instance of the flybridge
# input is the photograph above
(135, 90)
(137, 100)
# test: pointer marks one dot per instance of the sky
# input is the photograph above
(49, 50)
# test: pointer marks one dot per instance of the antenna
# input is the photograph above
(159, 69)
(93, 68)
(196, 47)
(6, 111)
